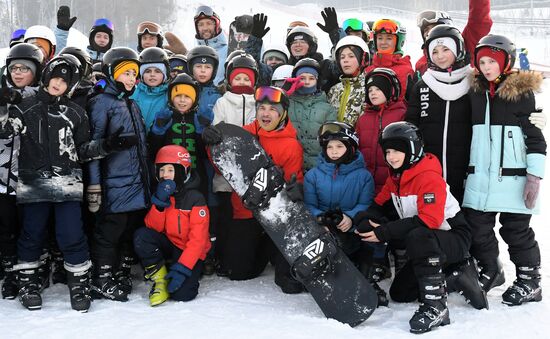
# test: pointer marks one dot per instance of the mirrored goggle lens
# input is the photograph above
(104, 22)
(330, 128)
(270, 94)
(353, 24)
(204, 11)
(18, 34)
(385, 26)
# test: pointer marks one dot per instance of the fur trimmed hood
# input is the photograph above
(514, 87)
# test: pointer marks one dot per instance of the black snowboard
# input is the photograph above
(342, 292)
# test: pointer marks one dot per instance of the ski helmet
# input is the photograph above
(406, 137)
(244, 60)
(101, 25)
(177, 156)
(355, 25)
(152, 28)
(28, 52)
(278, 51)
(282, 73)
(178, 63)
(501, 43)
(447, 31)
(17, 36)
(82, 56)
(231, 55)
(389, 77)
(115, 56)
(69, 63)
(206, 12)
(306, 62)
(354, 41)
(431, 17)
(393, 27)
(302, 33)
(185, 79)
(343, 132)
(154, 55)
(202, 54)
(42, 32)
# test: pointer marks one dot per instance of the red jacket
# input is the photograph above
(284, 149)
(185, 223)
(401, 65)
(368, 127)
(479, 25)
(422, 191)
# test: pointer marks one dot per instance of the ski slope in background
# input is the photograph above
(257, 308)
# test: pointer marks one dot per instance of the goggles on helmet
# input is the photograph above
(204, 11)
(104, 22)
(385, 26)
(149, 28)
(329, 129)
(353, 24)
(18, 34)
(430, 17)
(271, 94)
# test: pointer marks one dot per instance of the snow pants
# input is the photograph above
(9, 225)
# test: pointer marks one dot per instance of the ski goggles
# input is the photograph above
(149, 27)
(18, 34)
(386, 26)
(272, 94)
(429, 17)
(353, 24)
(104, 22)
(204, 11)
(336, 128)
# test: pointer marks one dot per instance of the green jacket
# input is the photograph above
(348, 97)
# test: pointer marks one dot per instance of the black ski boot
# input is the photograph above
(124, 274)
(526, 288)
(433, 311)
(491, 275)
(465, 280)
(59, 275)
(400, 258)
(29, 285)
(9, 287)
(104, 285)
(78, 280)
(376, 273)
(44, 270)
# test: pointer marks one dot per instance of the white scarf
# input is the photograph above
(449, 86)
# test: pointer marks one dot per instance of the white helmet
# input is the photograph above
(282, 72)
(351, 40)
(43, 32)
(276, 48)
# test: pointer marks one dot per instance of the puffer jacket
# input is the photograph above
(150, 100)
(308, 113)
(219, 43)
(208, 97)
(236, 109)
(401, 65)
(348, 97)
(505, 145)
(123, 176)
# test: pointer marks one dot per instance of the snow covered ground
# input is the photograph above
(257, 308)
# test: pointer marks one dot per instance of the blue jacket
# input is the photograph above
(150, 100)
(505, 145)
(124, 175)
(61, 37)
(219, 43)
(208, 96)
(349, 187)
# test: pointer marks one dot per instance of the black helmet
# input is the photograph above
(387, 74)
(499, 42)
(28, 52)
(206, 12)
(202, 52)
(116, 55)
(447, 31)
(69, 61)
(184, 79)
(154, 55)
(243, 24)
(306, 62)
(302, 33)
(82, 56)
(341, 131)
(406, 137)
(431, 17)
(101, 25)
(243, 60)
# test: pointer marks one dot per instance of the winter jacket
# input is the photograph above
(61, 37)
(348, 97)
(329, 74)
(285, 151)
(219, 43)
(505, 145)
(479, 25)
(150, 100)
(124, 175)
(308, 113)
(208, 97)
(10, 143)
(368, 128)
(54, 131)
(440, 106)
(254, 47)
(236, 109)
(401, 65)
(95, 55)
(348, 187)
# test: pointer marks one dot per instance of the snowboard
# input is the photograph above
(338, 287)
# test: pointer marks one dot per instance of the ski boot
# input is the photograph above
(465, 280)
(44, 270)
(316, 259)
(400, 258)
(9, 287)
(526, 287)
(491, 275)
(78, 280)
(104, 285)
(159, 292)
(59, 275)
(266, 184)
(124, 274)
(375, 274)
(29, 285)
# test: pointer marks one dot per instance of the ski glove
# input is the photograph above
(294, 189)
(163, 122)
(177, 275)
(212, 135)
(330, 18)
(330, 218)
(93, 196)
(64, 20)
(291, 85)
(374, 213)
(9, 96)
(531, 191)
(161, 198)
(259, 21)
(117, 142)
(538, 118)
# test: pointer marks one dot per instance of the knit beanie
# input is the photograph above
(63, 72)
(497, 54)
(444, 41)
(125, 66)
(159, 65)
(246, 71)
(183, 89)
(383, 84)
(31, 65)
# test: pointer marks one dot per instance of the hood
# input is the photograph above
(428, 163)
(160, 90)
(514, 87)
(216, 42)
(329, 168)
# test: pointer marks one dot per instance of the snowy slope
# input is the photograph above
(257, 308)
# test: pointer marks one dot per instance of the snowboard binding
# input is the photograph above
(267, 182)
(316, 259)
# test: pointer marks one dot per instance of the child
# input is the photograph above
(177, 229)
(149, 34)
(309, 108)
(507, 159)
(119, 183)
(100, 39)
(348, 96)
(44, 38)
(431, 225)
(178, 65)
(383, 107)
(150, 93)
(24, 68)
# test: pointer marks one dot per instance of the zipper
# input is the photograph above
(244, 103)
(501, 154)
(511, 136)
(445, 135)
(179, 223)
(343, 101)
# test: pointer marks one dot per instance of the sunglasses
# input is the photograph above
(149, 28)
(353, 24)
(104, 22)
(266, 93)
(203, 11)
(18, 34)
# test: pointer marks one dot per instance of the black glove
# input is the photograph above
(212, 135)
(259, 21)
(331, 20)
(64, 20)
(374, 213)
(9, 96)
(330, 218)
(294, 189)
(117, 142)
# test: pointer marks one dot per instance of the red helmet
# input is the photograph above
(173, 154)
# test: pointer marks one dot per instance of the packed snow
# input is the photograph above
(257, 308)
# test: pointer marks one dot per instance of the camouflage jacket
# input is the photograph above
(348, 97)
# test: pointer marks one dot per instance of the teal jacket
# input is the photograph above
(150, 100)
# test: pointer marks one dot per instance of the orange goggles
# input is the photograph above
(385, 26)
